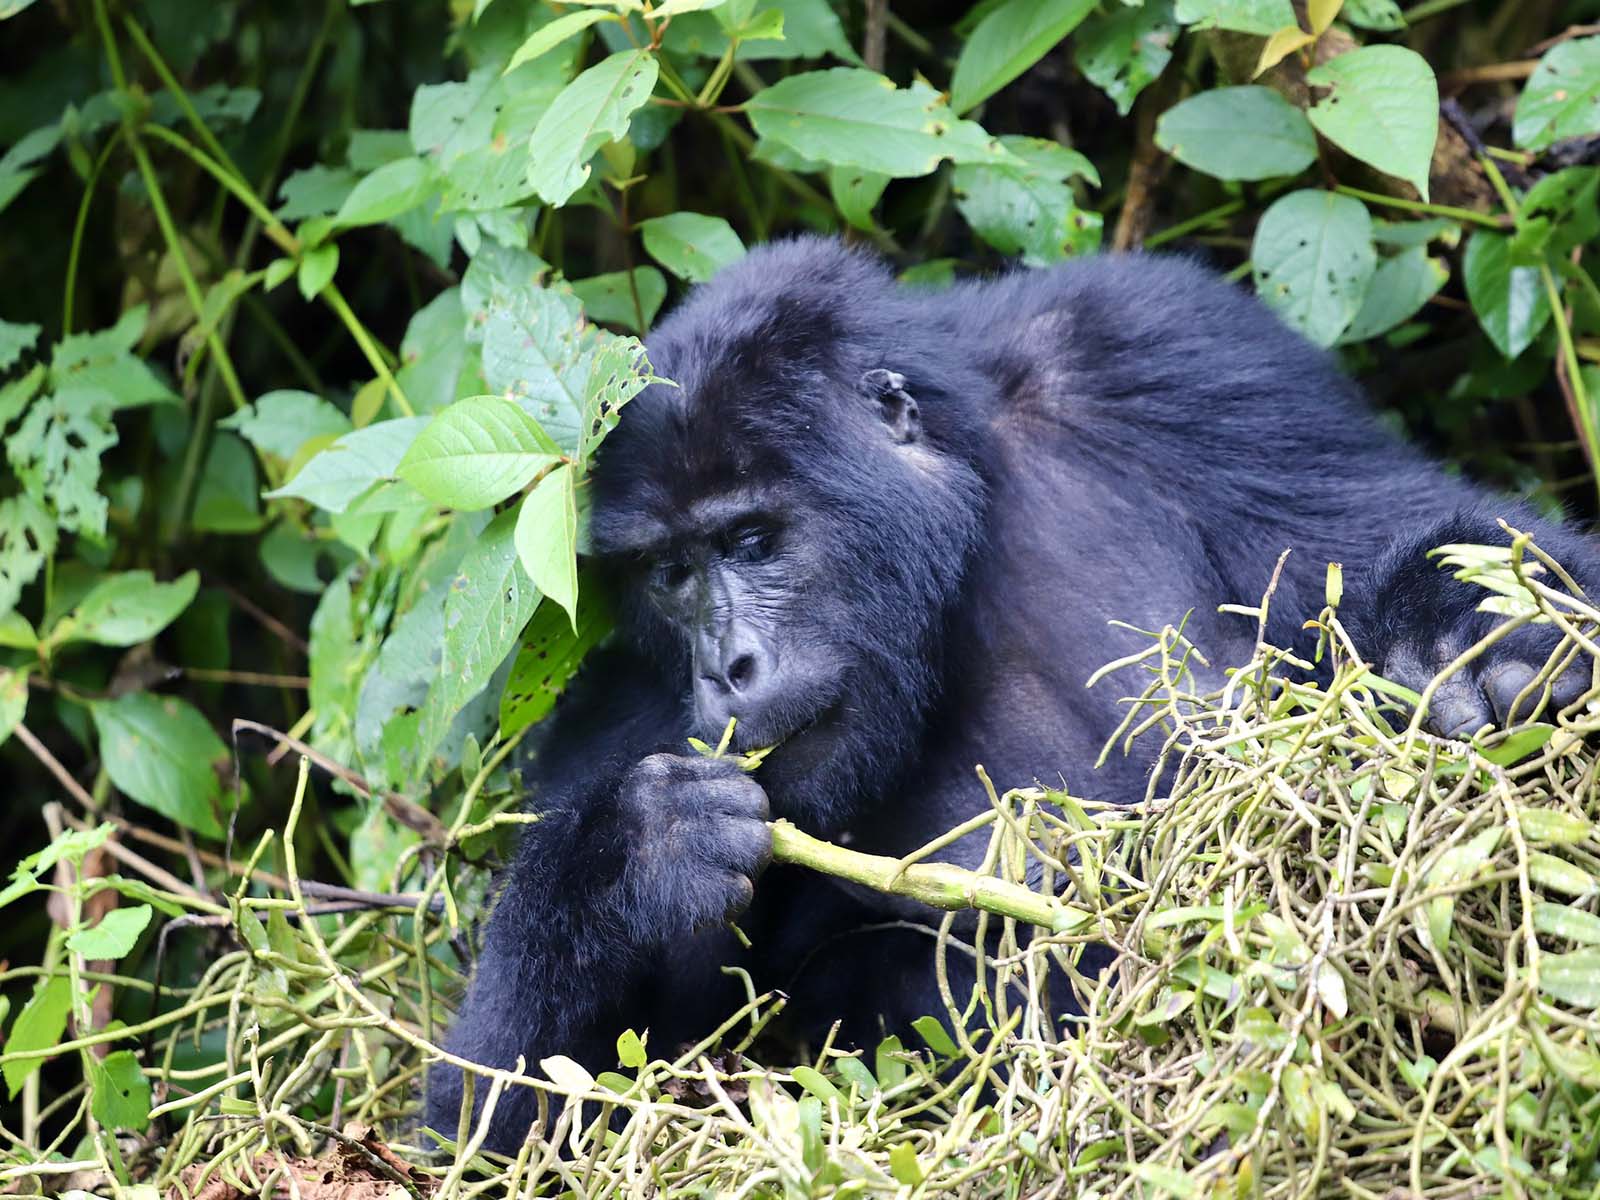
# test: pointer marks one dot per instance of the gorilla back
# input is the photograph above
(886, 529)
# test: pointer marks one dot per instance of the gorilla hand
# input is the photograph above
(696, 836)
(1418, 618)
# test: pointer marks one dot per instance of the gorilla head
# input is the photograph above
(793, 520)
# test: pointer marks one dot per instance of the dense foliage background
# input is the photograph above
(315, 313)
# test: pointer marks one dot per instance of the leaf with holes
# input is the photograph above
(27, 538)
(553, 647)
(1011, 38)
(119, 1092)
(126, 609)
(161, 752)
(1399, 288)
(477, 452)
(56, 451)
(1238, 133)
(1313, 260)
(1260, 17)
(1383, 107)
(1122, 51)
(1030, 208)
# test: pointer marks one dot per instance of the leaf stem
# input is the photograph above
(1418, 206)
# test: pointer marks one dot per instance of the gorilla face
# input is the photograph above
(788, 543)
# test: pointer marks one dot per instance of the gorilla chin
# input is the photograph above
(895, 524)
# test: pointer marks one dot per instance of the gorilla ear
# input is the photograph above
(895, 405)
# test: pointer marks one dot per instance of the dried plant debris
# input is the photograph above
(1353, 959)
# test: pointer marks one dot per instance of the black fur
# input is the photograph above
(898, 523)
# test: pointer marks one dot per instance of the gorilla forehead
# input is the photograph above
(763, 363)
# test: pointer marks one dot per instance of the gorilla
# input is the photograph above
(886, 529)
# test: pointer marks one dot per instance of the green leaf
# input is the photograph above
(119, 1092)
(903, 1164)
(1383, 109)
(595, 108)
(1572, 978)
(1399, 288)
(856, 193)
(14, 339)
(476, 453)
(610, 298)
(551, 652)
(1551, 825)
(547, 538)
(1123, 51)
(389, 191)
(1260, 17)
(548, 37)
(1563, 921)
(1382, 15)
(1029, 208)
(1238, 133)
(1009, 40)
(27, 538)
(104, 360)
(127, 608)
(56, 450)
(114, 935)
(316, 269)
(938, 1038)
(818, 1084)
(691, 245)
(1562, 97)
(335, 476)
(161, 752)
(38, 1026)
(631, 1051)
(13, 700)
(1509, 300)
(317, 191)
(856, 118)
(486, 607)
(1313, 260)
(1517, 745)
(228, 499)
(281, 422)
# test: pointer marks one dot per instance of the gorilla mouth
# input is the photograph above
(805, 740)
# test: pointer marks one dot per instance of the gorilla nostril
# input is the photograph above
(718, 685)
(741, 672)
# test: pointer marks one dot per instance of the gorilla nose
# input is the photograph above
(733, 679)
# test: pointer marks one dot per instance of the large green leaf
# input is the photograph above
(552, 647)
(1509, 299)
(56, 451)
(489, 600)
(1383, 107)
(855, 118)
(547, 538)
(593, 109)
(127, 608)
(1313, 260)
(476, 453)
(1260, 17)
(161, 752)
(1562, 96)
(38, 1026)
(119, 1091)
(1238, 133)
(281, 422)
(1009, 40)
(630, 299)
(691, 245)
(387, 192)
(1029, 208)
(115, 933)
(335, 476)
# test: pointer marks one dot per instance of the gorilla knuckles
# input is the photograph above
(888, 529)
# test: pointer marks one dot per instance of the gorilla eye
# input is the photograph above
(752, 543)
(672, 575)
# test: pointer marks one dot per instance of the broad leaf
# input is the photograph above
(316, 269)
(161, 752)
(56, 450)
(690, 245)
(1261, 17)
(630, 299)
(1382, 15)
(119, 1092)
(1238, 133)
(1562, 96)
(386, 193)
(548, 37)
(127, 608)
(1029, 208)
(281, 422)
(547, 538)
(856, 193)
(335, 476)
(115, 933)
(856, 118)
(38, 1026)
(1399, 288)
(593, 109)
(1509, 300)
(1010, 39)
(476, 453)
(1313, 259)
(1383, 108)
(553, 646)
(1123, 50)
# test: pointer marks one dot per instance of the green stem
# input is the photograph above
(1431, 8)
(76, 251)
(335, 300)
(1569, 357)
(1418, 206)
(1212, 215)
(275, 229)
(939, 885)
